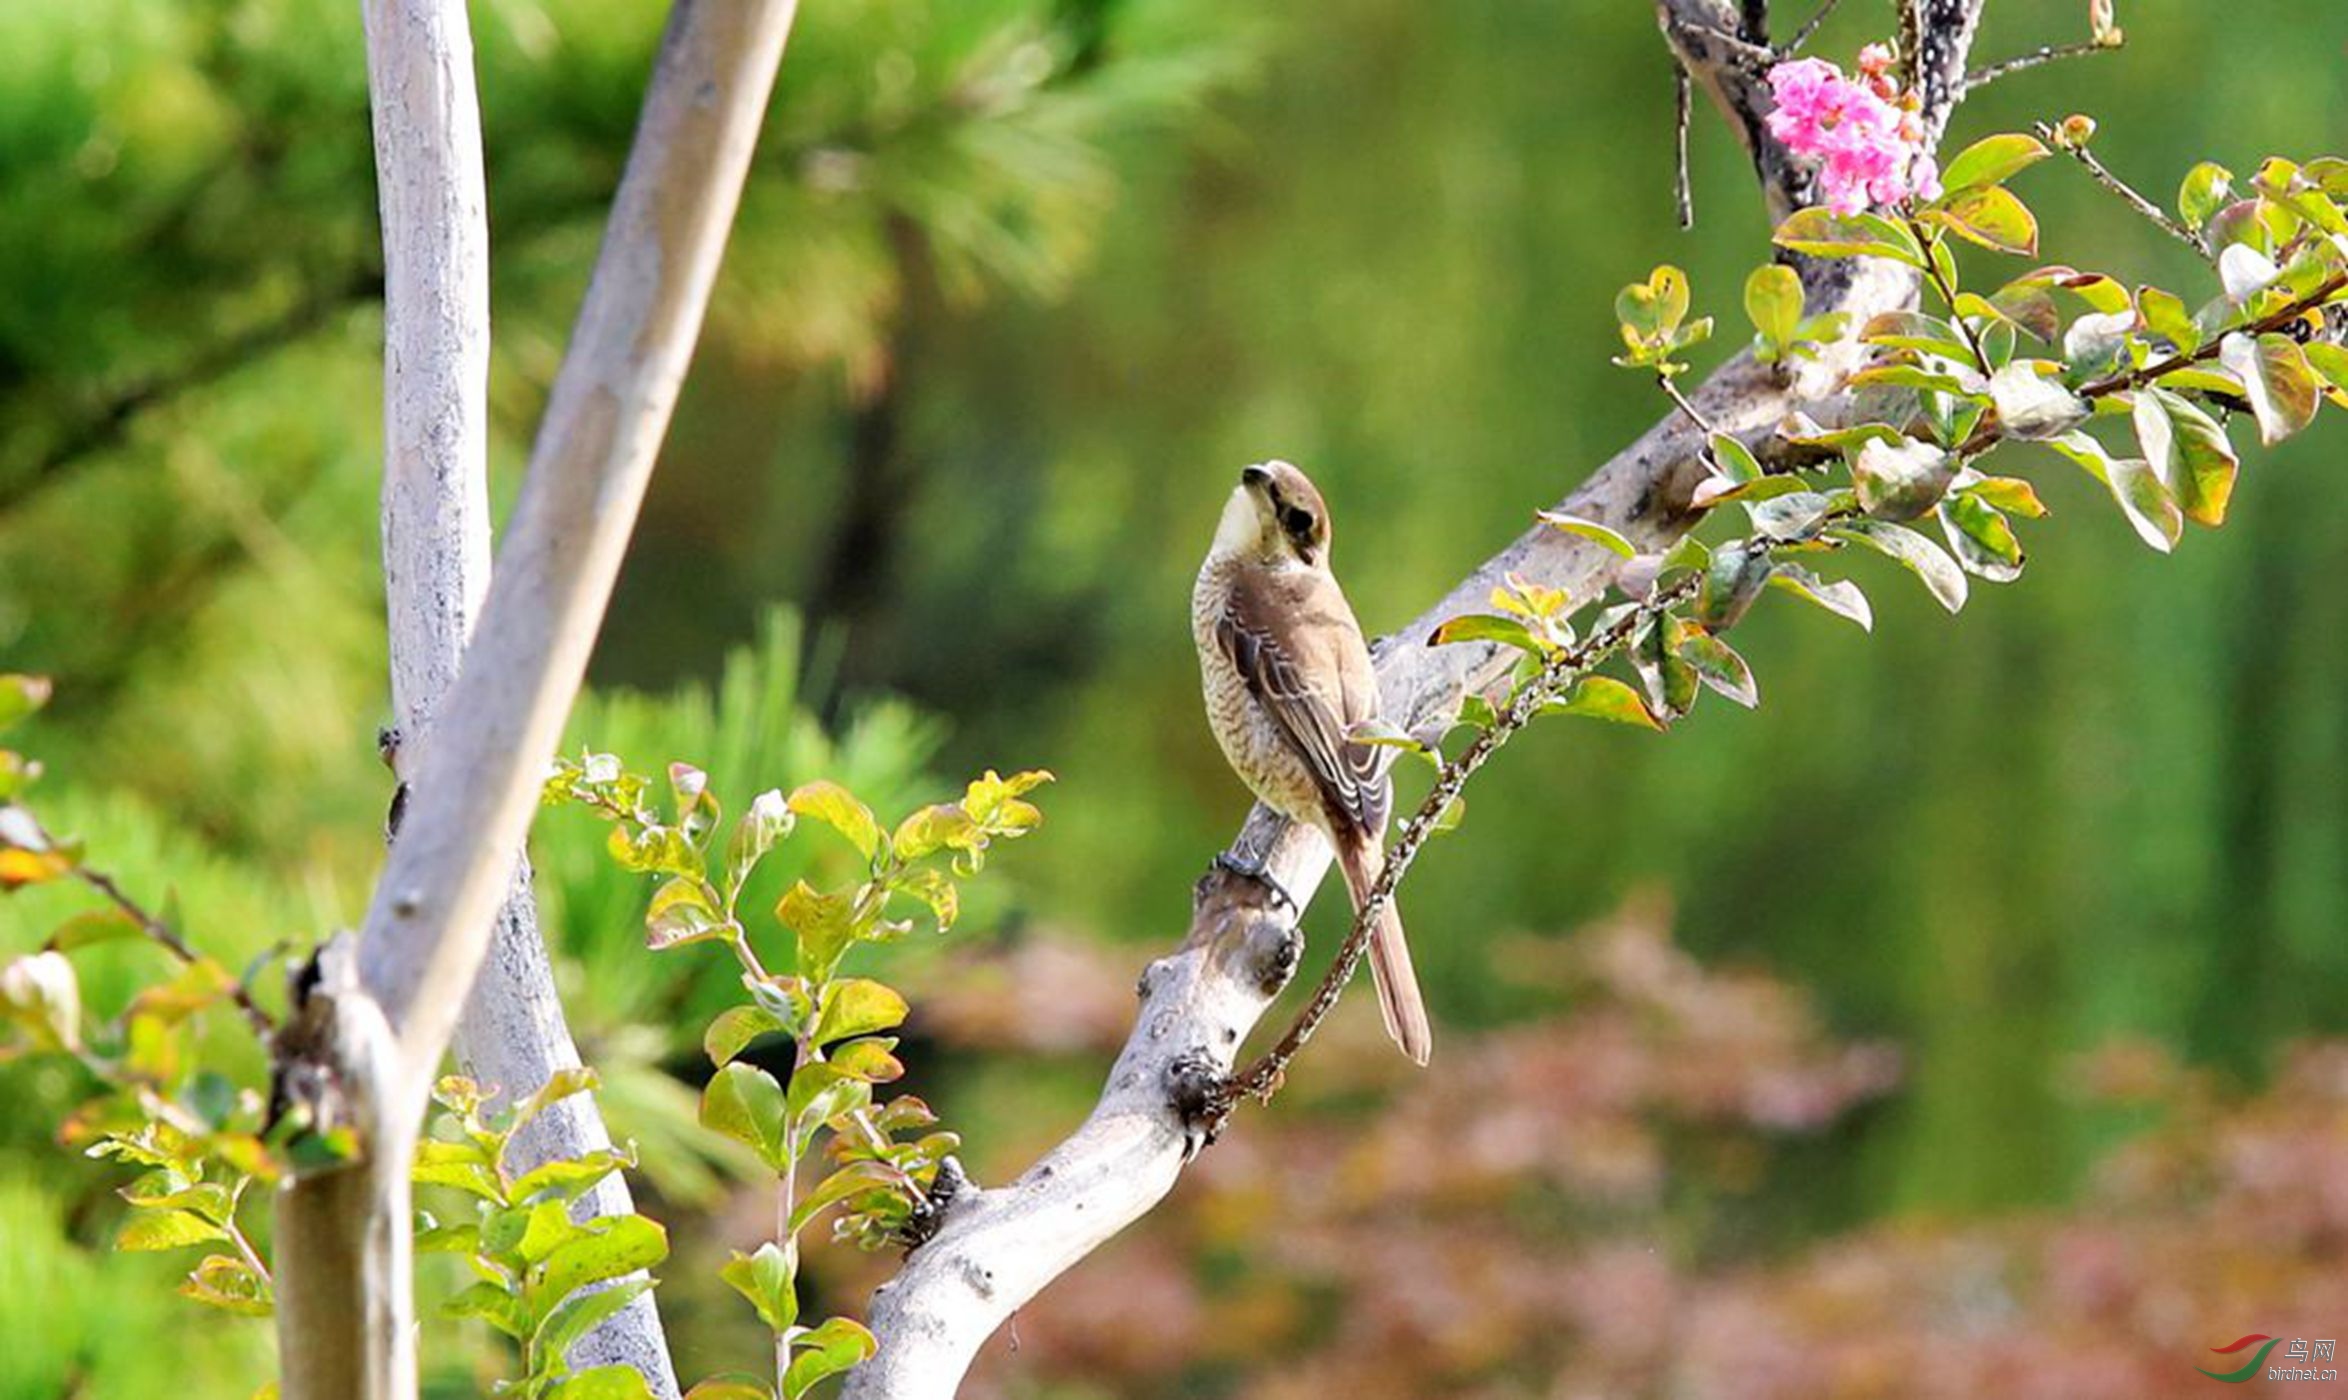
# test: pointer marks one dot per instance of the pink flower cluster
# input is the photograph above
(1868, 145)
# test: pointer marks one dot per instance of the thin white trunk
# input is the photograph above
(372, 1041)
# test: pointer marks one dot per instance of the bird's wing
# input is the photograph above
(1295, 643)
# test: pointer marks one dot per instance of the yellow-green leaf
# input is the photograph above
(857, 1006)
(838, 808)
(1991, 161)
(148, 1230)
(1603, 697)
(1992, 217)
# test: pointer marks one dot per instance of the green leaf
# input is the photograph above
(560, 1084)
(2032, 407)
(656, 849)
(448, 1239)
(838, 1345)
(617, 1245)
(1719, 490)
(1991, 161)
(491, 1304)
(697, 810)
(769, 1279)
(823, 923)
(1651, 311)
(1992, 217)
(1719, 667)
(1920, 556)
(582, 1313)
(569, 1178)
(1824, 234)
(1790, 517)
(869, 1060)
(935, 828)
(2208, 188)
(1671, 683)
(2165, 315)
(735, 1027)
(840, 1185)
(1735, 460)
(933, 888)
(2010, 494)
(2187, 449)
(2282, 387)
(1961, 380)
(2146, 501)
(1981, 539)
(614, 1382)
(91, 927)
(1842, 597)
(169, 1189)
(729, 1388)
(1731, 582)
(1901, 481)
(522, 1235)
(746, 1104)
(1603, 697)
(766, 821)
(1913, 330)
(684, 910)
(837, 808)
(992, 801)
(1773, 302)
(230, 1285)
(1591, 530)
(857, 1006)
(462, 1165)
(2330, 362)
(1485, 627)
(148, 1230)
(1687, 552)
(819, 1094)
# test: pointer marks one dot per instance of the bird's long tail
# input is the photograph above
(1361, 859)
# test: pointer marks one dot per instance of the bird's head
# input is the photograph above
(1275, 516)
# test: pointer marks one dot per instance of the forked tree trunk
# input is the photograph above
(369, 1032)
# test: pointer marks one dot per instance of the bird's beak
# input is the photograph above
(1254, 478)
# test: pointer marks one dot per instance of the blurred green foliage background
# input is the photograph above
(1018, 284)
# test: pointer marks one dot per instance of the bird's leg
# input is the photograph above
(1258, 870)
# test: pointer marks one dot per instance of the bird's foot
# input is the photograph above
(1259, 872)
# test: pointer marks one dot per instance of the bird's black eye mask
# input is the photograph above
(1298, 523)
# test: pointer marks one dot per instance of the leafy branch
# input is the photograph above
(2263, 342)
(885, 1190)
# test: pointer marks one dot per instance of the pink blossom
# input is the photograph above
(1867, 145)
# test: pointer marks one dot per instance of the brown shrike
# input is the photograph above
(1288, 679)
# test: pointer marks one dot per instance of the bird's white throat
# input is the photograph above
(1240, 533)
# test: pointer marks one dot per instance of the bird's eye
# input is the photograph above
(1297, 522)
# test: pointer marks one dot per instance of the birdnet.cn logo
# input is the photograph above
(2258, 1344)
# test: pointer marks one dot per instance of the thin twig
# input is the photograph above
(756, 968)
(1948, 292)
(1680, 105)
(2158, 216)
(236, 1235)
(1262, 1079)
(2020, 63)
(1809, 29)
(2273, 321)
(1687, 410)
(155, 928)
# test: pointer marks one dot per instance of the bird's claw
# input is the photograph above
(1259, 872)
